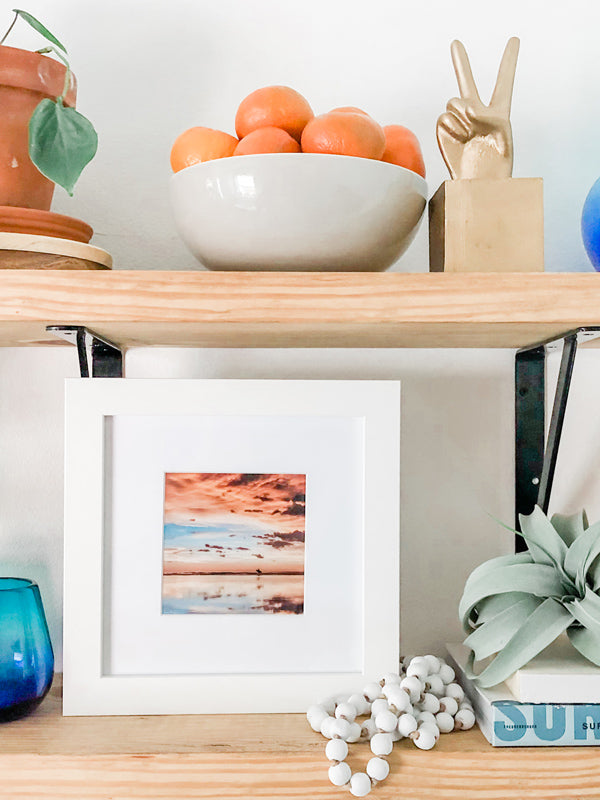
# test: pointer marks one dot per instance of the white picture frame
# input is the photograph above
(100, 608)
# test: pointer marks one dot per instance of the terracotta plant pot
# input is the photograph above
(25, 79)
(36, 222)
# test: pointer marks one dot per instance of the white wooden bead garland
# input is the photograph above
(419, 703)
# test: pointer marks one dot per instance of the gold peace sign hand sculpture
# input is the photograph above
(475, 139)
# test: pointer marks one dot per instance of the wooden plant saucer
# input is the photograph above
(26, 251)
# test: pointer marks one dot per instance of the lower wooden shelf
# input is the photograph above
(50, 757)
(136, 308)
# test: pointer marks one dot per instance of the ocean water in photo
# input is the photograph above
(233, 594)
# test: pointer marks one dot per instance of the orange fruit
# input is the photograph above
(344, 133)
(200, 144)
(402, 148)
(351, 110)
(267, 140)
(273, 107)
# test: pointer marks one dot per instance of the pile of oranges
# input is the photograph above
(277, 119)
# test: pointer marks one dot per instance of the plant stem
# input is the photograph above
(12, 25)
(66, 84)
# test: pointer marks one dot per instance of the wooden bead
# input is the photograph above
(340, 774)
(435, 685)
(414, 686)
(424, 716)
(464, 719)
(315, 719)
(418, 668)
(379, 705)
(449, 705)
(372, 691)
(378, 769)
(381, 744)
(430, 703)
(407, 724)
(340, 728)
(447, 673)
(368, 728)
(355, 732)
(389, 679)
(327, 727)
(360, 784)
(424, 738)
(434, 664)
(345, 711)
(386, 721)
(398, 699)
(455, 691)
(336, 750)
(431, 726)
(360, 703)
(444, 721)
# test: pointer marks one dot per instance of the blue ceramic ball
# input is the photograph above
(590, 225)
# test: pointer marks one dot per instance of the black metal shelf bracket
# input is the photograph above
(98, 358)
(535, 458)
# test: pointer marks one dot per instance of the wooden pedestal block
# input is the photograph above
(30, 251)
(487, 226)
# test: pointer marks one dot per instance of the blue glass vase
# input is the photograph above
(590, 225)
(26, 657)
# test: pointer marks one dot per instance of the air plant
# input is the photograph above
(514, 606)
(61, 140)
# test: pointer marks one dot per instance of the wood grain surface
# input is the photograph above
(17, 259)
(50, 757)
(24, 251)
(211, 309)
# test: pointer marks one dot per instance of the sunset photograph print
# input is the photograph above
(233, 543)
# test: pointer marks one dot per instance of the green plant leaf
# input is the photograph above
(587, 642)
(466, 610)
(492, 564)
(581, 554)
(540, 580)
(541, 628)
(587, 610)
(569, 527)
(494, 634)
(61, 142)
(594, 575)
(544, 543)
(37, 25)
(516, 606)
(490, 607)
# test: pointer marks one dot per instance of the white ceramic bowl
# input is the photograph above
(297, 211)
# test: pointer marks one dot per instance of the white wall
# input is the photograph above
(148, 71)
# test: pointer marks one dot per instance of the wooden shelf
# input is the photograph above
(50, 757)
(212, 309)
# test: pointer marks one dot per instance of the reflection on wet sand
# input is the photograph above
(233, 594)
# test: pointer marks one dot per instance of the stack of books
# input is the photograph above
(554, 700)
